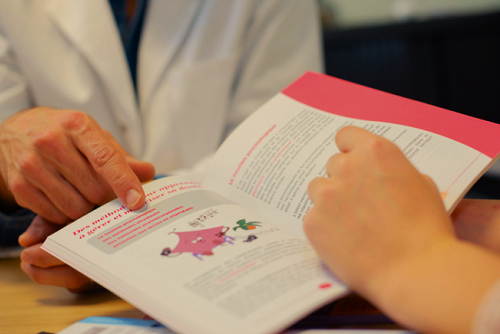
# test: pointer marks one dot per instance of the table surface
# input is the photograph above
(30, 308)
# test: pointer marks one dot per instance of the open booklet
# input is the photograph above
(229, 255)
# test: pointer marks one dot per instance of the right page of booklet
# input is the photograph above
(268, 161)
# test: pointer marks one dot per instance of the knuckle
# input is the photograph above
(342, 164)
(312, 186)
(103, 156)
(19, 187)
(321, 190)
(381, 148)
(325, 192)
(45, 139)
(308, 222)
(310, 225)
(375, 143)
(75, 120)
(29, 164)
(120, 181)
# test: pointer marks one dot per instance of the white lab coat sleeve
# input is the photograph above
(14, 95)
(283, 42)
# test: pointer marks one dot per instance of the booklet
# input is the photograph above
(228, 255)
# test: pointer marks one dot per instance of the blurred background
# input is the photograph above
(441, 52)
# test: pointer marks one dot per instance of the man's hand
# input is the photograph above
(61, 163)
(42, 267)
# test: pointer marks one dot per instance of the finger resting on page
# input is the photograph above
(318, 189)
(78, 171)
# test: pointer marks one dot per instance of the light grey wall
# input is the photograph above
(365, 12)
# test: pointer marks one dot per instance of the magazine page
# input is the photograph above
(267, 162)
(197, 262)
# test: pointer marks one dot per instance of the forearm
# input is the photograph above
(478, 221)
(439, 291)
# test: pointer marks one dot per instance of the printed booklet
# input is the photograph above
(229, 255)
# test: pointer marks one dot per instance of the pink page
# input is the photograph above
(347, 99)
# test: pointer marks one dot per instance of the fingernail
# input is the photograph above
(26, 258)
(133, 197)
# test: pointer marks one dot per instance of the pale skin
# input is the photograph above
(61, 164)
(478, 221)
(381, 227)
(42, 267)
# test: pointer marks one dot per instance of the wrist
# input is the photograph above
(405, 290)
(389, 284)
(438, 290)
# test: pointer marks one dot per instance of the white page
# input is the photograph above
(257, 280)
(266, 275)
(269, 161)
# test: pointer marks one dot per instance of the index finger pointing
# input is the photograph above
(109, 163)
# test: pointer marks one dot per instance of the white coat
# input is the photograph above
(203, 66)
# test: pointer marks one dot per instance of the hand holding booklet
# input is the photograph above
(228, 255)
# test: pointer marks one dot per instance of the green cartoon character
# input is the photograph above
(246, 226)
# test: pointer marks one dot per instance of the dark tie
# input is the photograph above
(129, 15)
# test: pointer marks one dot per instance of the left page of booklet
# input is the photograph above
(198, 262)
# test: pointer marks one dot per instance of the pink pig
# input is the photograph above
(199, 242)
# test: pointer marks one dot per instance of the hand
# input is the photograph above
(60, 163)
(381, 226)
(373, 211)
(42, 267)
(478, 221)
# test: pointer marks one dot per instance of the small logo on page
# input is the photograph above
(325, 286)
